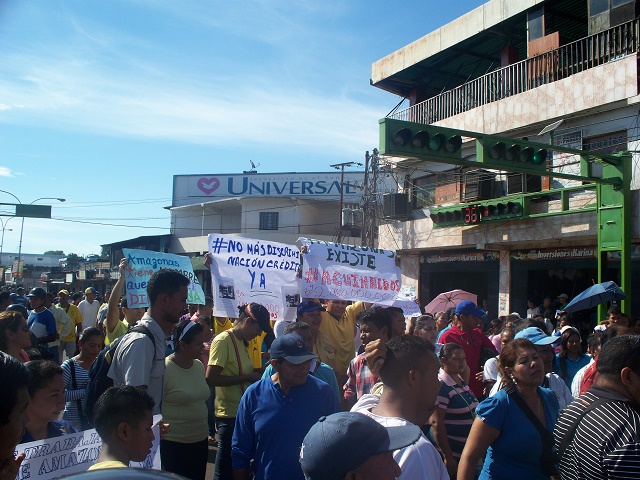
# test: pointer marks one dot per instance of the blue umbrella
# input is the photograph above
(594, 296)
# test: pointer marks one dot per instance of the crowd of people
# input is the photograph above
(347, 390)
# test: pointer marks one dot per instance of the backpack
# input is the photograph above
(99, 380)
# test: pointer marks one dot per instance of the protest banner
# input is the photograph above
(347, 272)
(246, 270)
(144, 263)
(74, 453)
(408, 305)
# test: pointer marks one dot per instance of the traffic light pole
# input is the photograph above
(431, 143)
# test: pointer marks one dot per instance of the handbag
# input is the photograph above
(547, 458)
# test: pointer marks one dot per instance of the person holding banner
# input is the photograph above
(231, 371)
(339, 324)
(114, 327)
(310, 312)
(13, 413)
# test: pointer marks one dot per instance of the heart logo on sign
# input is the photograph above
(208, 185)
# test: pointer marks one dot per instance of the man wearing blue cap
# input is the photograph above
(465, 332)
(310, 312)
(352, 446)
(276, 413)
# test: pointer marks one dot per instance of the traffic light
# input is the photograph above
(506, 208)
(512, 155)
(419, 140)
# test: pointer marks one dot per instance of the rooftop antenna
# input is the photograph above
(254, 168)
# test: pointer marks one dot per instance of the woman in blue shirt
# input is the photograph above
(570, 359)
(513, 445)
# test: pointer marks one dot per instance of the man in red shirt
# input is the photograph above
(466, 334)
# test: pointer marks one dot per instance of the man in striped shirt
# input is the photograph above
(605, 443)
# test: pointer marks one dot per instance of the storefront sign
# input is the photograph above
(554, 253)
(463, 257)
(274, 185)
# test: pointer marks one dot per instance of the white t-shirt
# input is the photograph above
(490, 370)
(420, 460)
(89, 313)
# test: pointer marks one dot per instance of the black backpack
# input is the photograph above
(99, 381)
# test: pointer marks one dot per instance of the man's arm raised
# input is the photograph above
(113, 312)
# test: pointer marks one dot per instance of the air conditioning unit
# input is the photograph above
(523, 183)
(395, 205)
(478, 185)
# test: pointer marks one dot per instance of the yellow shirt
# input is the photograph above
(183, 402)
(119, 330)
(221, 324)
(255, 350)
(76, 318)
(107, 464)
(223, 354)
(325, 349)
(342, 333)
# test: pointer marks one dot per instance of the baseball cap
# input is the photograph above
(536, 336)
(38, 292)
(563, 295)
(467, 307)
(292, 348)
(13, 295)
(21, 309)
(64, 292)
(309, 306)
(569, 327)
(90, 290)
(343, 441)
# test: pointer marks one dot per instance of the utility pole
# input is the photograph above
(341, 167)
(369, 204)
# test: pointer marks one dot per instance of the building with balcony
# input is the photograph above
(512, 68)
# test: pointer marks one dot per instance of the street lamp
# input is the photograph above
(4, 227)
(22, 225)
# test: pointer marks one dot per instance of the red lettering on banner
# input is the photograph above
(354, 280)
(336, 279)
(372, 282)
(346, 279)
(385, 284)
(326, 279)
(364, 282)
(311, 275)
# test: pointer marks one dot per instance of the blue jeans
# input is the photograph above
(224, 469)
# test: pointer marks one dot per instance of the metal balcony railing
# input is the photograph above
(583, 54)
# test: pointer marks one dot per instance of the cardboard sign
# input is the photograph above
(347, 272)
(144, 263)
(246, 270)
(73, 453)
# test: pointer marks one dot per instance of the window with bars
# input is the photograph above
(269, 220)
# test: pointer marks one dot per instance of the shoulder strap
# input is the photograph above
(544, 433)
(148, 333)
(74, 385)
(235, 347)
(571, 430)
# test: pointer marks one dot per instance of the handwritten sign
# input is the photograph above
(408, 305)
(245, 270)
(74, 453)
(347, 272)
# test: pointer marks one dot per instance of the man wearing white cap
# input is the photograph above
(276, 413)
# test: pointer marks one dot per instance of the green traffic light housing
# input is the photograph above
(418, 140)
(508, 208)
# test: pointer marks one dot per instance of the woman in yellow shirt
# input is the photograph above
(184, 448)
(231, 371)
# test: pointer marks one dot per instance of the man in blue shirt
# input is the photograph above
(41, 321)
(276, 413)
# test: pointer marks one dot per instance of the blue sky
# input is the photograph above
(102, 102)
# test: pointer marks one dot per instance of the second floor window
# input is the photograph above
(269, 220)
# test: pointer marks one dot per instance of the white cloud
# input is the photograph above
(5, 172)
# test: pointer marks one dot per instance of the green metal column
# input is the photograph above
(614, 224)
